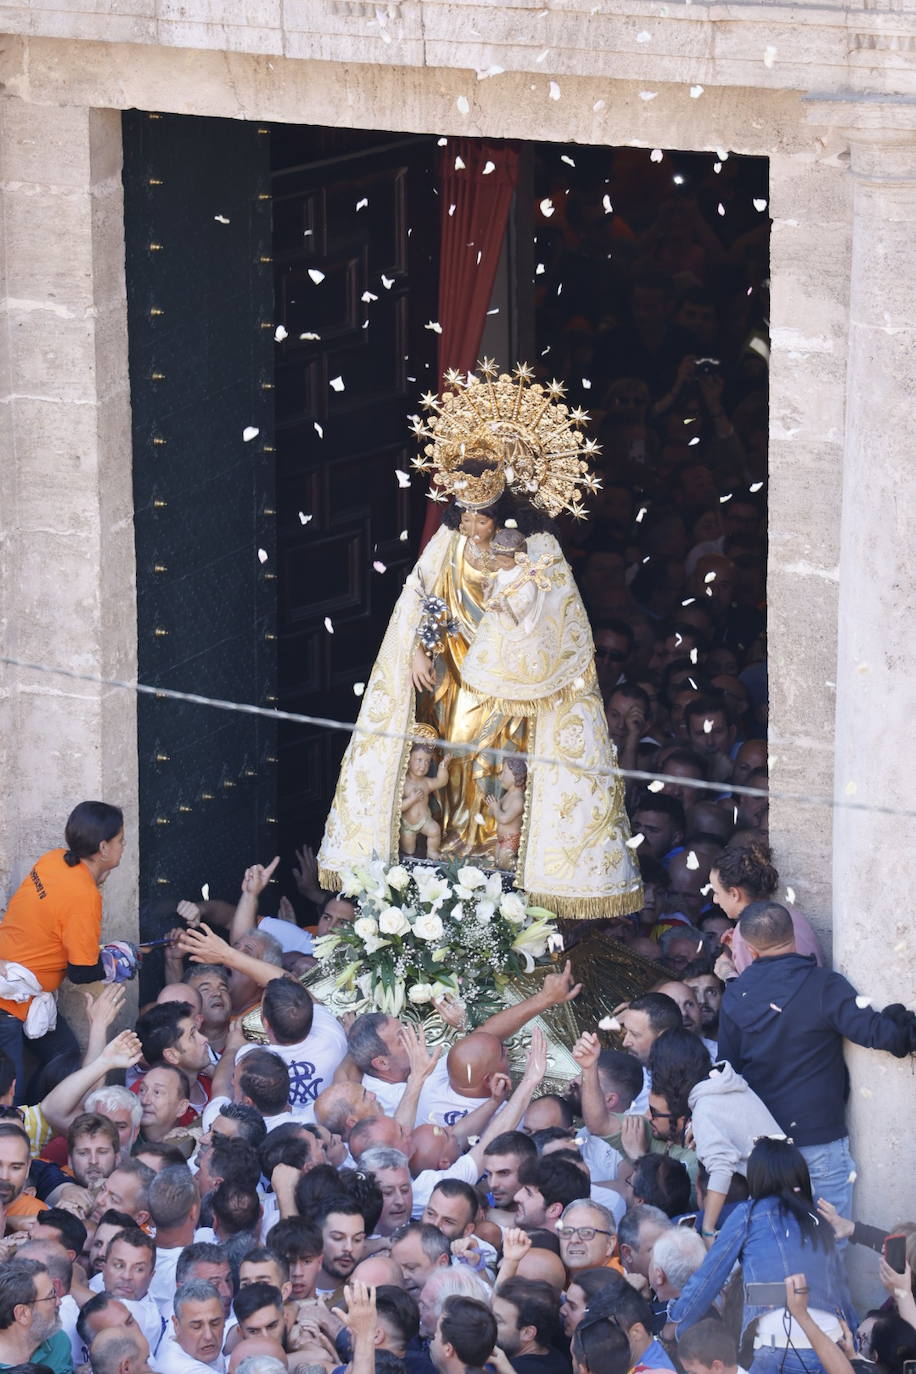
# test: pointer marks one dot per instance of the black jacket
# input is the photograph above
(782, 1025)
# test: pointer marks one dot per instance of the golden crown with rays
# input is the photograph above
(491, 432)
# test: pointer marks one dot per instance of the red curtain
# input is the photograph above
(476, 182)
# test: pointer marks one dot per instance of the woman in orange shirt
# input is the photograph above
(53, 927)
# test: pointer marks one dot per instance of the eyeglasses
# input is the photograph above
(583, 1232)
(656, 1115)
(48, 1297)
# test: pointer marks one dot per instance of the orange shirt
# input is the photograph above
(54, 918)
(26, 1206)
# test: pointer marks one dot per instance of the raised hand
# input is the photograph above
(500, 1087)
(452, 1010)
(841, 1226)
(190, 913)
(360, 1316)
(633, 1137)
(516, 1244)
(420, 1060)
(536, 1063)
(305, 872)
(124, 1051)
(202, 946)
(586, 1050)
(257, 877)
(102, 1011)
(559, 987)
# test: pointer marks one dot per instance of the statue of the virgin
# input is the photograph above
(487, 684)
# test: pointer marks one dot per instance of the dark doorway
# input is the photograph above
(355, 247)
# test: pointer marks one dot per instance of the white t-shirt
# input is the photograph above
(145, 1312)
(389, 1094)
(173, 1360)
(312, 1062)
(640, 1105)
(602, 1159)
(614, 1202)
(440, 1104)
(287, 935)
(162, 1288)
(464, 1168)
(305, 1115)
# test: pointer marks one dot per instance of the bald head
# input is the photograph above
(473, 1061)
(372, 1132)
(182, 992)
(341, 1105)
(767, 928)
(432, 1147)
(119, 1350)
(255, 1345)
(545, 1265)
(378, 1269)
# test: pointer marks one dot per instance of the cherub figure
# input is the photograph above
(508, 810)
(517, 585)
(416, 818)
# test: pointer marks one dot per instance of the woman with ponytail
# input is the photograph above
(744, 873)
(52, 929)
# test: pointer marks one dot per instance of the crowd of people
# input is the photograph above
(340, 1196)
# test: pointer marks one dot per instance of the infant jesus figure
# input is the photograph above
(416, 818)
(508, 810)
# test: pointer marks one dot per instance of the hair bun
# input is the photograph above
(71, 859)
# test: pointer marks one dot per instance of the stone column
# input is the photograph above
(67, 593)
(809, 274)
(875, 855)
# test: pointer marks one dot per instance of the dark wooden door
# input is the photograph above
(356, 248)
(200, 308)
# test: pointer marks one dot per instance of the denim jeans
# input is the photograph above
(832, 1173)
(13, 1042)
(769, 1360)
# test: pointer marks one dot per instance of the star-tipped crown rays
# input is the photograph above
(493, 431)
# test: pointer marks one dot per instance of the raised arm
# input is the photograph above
(64, 1102)
(245, 917)
(595, 1112)
(203, 947)
(556, 989)
(511, 1115)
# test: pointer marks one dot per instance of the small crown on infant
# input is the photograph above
(508, 541)
(425, 736)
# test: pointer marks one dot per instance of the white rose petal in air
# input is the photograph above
(318, 430)
(696, 92)
(262, 555)
(648, 95)
(554, 89)
(221, 219)
(403, 536)
(790, 895)
(539, 270)
(769, 55)
(316, 275)
(599, 105)
(309, 336)
(358, 688)
(692, 860)
(707, 727)
(609, 1023)
(281, 333)
(484, 72)
(656, 155)
(710, 577)
(755, 486)
(586, 383)
(303, 518)
(773, 1007)
(851, 788)
(510, 524)
(656, 786)
(329, 624)
(250, 432)
(337, 383)
(635, 841)
(434, 325)
(387, 282)
(368, 296)
(205, 892)
(608, 207)
(362, 204)
(717, 167)
(403, 477)
(644, 37)
(547, 207)
(460, 164)
(760, 206)
(863, 1002)
(488, 167)
(463, 105)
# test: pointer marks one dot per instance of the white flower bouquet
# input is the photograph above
(421, 933)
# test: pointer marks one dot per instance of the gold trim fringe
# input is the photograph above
(512, 706)
(588, 908)
(329, 880)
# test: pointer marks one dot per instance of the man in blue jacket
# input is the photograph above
(782, 1024)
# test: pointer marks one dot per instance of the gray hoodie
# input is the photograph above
(727, 1117)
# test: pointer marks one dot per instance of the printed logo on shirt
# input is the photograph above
(452, 1118)
(303, 1085)
(39, 885)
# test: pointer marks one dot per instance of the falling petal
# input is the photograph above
(586, 383)
(852, 1176)
(403, 536)
(358, 688)
(281, 333)
(434, 325)
(484, 72)
(648, 95)
(460, 164)
(717, 167)
(641, 514)
(316, 275)
(851, 788)
(773, 1007)
(205, 892)
(644, 37)
(303, 518)
(720, 208)
(309, 336)
(656, 785)
(707, 726)
(318, 430)
(692, 860)
(608, 207)
(511, 524)
(760, 205)
(221, 219)
(379, 567)
(329, 624)
(463, 105)
(710, 577)
(790, 895)
(656, 155)
(488, 167)
(337, 383)
(635, 841)
(769, 55)
(540, 270)
(863, 1002)
(755, 486)
(362, 204)
(547, 207)
(387, 282)
(554, 88)
(368, 296)
(696, 92)
(262, 555)
(609, 1023)
(403, 478)
(250, 432)
(599, 105)
(568, 160)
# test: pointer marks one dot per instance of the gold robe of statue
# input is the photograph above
(539, 695)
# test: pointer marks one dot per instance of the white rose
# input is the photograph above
(512, 907)
(420, 993)
(463, 892)
(494, 887)
(398, 878)
(392, 921)
(433, 890)
(428, 927)
(485, 911)
(471, 877)
(365, 927)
